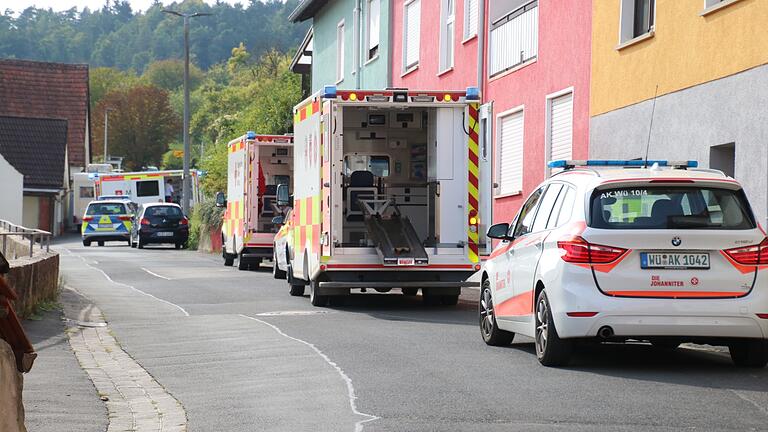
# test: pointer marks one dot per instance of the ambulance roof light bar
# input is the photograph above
(569, 164)
(250, 135)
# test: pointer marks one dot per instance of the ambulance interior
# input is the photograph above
(275, 167)
(404, 180)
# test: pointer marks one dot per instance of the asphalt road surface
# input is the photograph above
(240, 354)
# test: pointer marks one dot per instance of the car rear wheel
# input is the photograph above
(86, 243)
(550, 349)
(489, 329)
(410, 291)
(242, 263)
(130, 243)
(140, 243)
(101, 243)
(749, 353)
(315, 298)
(177, 246)
(276, 272)
(297, 286)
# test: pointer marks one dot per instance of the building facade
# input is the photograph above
(349, 42)
(683, 80)
(11, 198)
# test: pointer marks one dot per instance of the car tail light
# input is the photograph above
(124, 218)
(750, 255)
(581, 314)
(87, 218)
(184, 221)
(145, 221)
(578, 250)
(762, 315)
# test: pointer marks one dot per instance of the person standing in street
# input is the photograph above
(168, 191)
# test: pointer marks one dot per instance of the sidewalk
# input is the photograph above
(58, 396)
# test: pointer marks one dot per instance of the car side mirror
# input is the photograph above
(498, 231)
(278, 220)
(283, 197)
(221, 199)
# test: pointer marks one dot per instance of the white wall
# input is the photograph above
(11, 192)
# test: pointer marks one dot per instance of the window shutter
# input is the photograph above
(561, 128)
(471, 18)
(373, 22)
(413, 26)
(511, 152)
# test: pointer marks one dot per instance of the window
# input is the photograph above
(412, 37)
(447, 25)
(546, 207)
(374, 18)
(105, 209)
(637, 18)
(86, 191)
(377, 165)
(147, 188)
(510, 144)
(340, 52)
(566, 209)
(560, 127)
(723, 158)
(281, 179)
(163, 211)
(527, 214)
(514, 38)
(664, 207)
(471, 21)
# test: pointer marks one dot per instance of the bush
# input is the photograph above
(206, 217)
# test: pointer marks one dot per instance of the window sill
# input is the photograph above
(371, 60)
(409, 70)
(508, 195)
(469, 38)
(717, 7)
(445, 71)
(635, 40)
(513, 70)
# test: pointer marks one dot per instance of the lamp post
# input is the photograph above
(187, 185)
(106, 129)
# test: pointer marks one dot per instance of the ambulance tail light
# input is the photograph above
(145, 221)
(87, 218)
(750, 255)
(184, 221)
(577, 250)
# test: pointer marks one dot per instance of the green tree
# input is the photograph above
(103, 80)
(141, 125)
(169, 74)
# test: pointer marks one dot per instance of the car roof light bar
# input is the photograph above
(567, 164)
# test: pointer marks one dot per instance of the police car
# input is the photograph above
(106, 221)
(616, 250)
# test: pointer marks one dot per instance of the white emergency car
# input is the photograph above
(616, 250)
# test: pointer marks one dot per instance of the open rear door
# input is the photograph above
(485, 166)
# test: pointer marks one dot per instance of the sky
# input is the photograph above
(60, 5)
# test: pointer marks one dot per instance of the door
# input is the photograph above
(485, 167)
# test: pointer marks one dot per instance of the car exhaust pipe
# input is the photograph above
(605, 332)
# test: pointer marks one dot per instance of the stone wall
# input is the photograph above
(210, 241)
(11, 384)
(34, 280)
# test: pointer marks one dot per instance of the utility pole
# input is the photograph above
(106, 129)
(186, 190)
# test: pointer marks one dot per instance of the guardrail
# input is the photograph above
(31, 234)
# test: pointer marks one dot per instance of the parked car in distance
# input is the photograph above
(106, 221)
(160, 223)
(616, 250)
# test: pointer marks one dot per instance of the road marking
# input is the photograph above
(126, 285)
(155, 274)
(344, 376)
(292, 313)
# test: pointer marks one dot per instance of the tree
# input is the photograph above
(169, 74)
(141, 125)
(104, 80)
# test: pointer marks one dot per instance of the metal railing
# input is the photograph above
(8, 229)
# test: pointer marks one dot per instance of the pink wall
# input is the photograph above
(563, 62)
(464, 73)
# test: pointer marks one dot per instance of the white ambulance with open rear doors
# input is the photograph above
(389, 193)
(257, 165)
(148, 186)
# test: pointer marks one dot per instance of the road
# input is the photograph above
(240, 354)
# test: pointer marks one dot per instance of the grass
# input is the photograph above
(42, 307)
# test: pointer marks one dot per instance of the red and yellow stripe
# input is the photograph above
(473, 201)
(233, 219)
(305, 111)
(237, 146)
(306, 222)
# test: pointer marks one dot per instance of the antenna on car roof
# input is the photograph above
(650, 127)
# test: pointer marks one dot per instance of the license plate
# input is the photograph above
(406, 261)
(104, 226)
(165, 234)
(677, 260)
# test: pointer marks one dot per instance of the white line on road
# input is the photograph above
(128, 286)
(344, 376)
(155, 274)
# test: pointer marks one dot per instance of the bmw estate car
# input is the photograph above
(106, 221)
(630, 250)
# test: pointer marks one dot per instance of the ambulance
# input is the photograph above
(147, 186)
(389, 195)
(256, 166)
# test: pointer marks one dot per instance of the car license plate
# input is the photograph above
(165, 234)
(406, 261)
(677, 260)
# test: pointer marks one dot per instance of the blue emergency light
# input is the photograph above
(250, 135)
(621, 163)
(329, 92)
(473, 93)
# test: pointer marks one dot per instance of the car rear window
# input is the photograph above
(105, 209)
(664, 207)
(163, 211)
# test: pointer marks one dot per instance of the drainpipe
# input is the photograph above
(390, 34)
(481, 50)
(358, 30)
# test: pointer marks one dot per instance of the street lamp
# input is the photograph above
(106, 129)
(187, 185)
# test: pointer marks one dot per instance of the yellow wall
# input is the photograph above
(687, 49)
